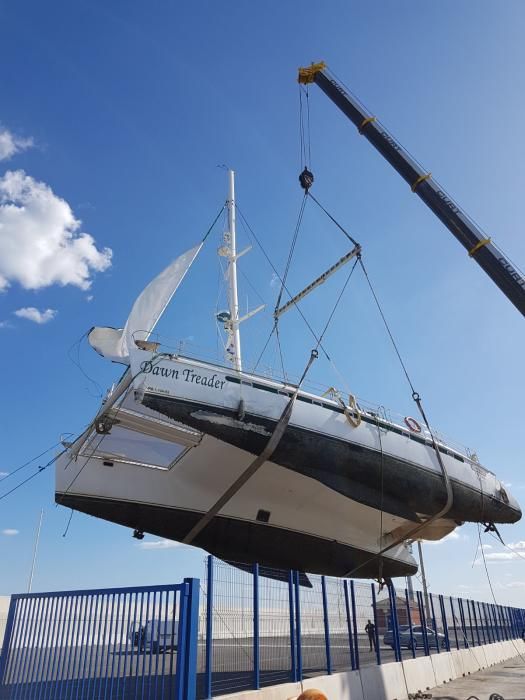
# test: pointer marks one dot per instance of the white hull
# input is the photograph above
(167, 501)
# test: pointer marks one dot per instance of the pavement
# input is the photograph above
(506, 681)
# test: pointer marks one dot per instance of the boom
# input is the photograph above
(478, 246)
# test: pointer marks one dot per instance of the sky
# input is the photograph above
(114, 118)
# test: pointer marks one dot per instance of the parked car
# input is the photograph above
(415, 640)
(156, 635)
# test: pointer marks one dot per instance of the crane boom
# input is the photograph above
(478, 245)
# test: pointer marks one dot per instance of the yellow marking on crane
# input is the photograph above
(478, 245)
(307, 75)
(366, 121)
(420, 179)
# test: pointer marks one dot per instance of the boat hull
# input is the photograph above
(279, 518)
(246, 542)
(376, 463)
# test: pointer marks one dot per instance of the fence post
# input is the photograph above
(354, 622)
(444, 621)
(494, 621)
(409, 618)
(209, 627)
(423, 619)
(506, 617)
(434, 624)
(513, 621)
(191, 640)
(488, 623)
(7, 636)
(376, 632)
(500, 622)
(480, 618)
(454, 621)
(466, 643)
(326, 627)
(256, 641)
(298, 627)
(394, 621)
(476, 621)
(470, 623)
(349, 625)
(292, 626)
(504, 621)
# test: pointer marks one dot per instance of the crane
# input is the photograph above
(479, 247)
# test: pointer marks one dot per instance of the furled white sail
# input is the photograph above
(115, 343)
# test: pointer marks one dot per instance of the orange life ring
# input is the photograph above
(412, 424)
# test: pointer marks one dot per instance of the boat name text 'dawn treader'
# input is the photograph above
(187, 375)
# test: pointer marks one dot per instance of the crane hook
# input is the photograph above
(306, 179)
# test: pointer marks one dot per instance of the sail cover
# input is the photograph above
(115, 343)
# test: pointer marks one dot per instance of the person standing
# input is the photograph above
(370, 629)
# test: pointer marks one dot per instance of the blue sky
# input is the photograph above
(123, 110)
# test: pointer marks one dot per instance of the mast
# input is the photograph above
(228, 250)
(233, 346)
(35, 550)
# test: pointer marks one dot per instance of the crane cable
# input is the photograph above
(417, 399)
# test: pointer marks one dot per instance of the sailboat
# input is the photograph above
(256, 469)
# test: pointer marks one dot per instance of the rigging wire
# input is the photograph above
(274, 269)
(40, 470)
(332, 219)
(390, 335)
(26, 464)
(491, 587)
(64, 534)
(291, 252)
(76, 345)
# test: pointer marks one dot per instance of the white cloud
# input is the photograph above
(11, 144)
(159, 544)
(486, 546)
(2, 474)
(503, 556)
(515, 584)
(89, 297)
(5, 324)
(32, 314)
(454, 535)
(517, 545)
(10, 532)
(40, 239)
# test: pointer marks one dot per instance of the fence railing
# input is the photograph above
(107, 643)
(258, 631)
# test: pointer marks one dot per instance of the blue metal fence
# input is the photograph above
(253, 631)
(261, 631)
(115, 643)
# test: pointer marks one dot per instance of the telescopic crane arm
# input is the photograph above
(478, 246)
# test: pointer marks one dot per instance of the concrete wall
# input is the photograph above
(394, 681)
